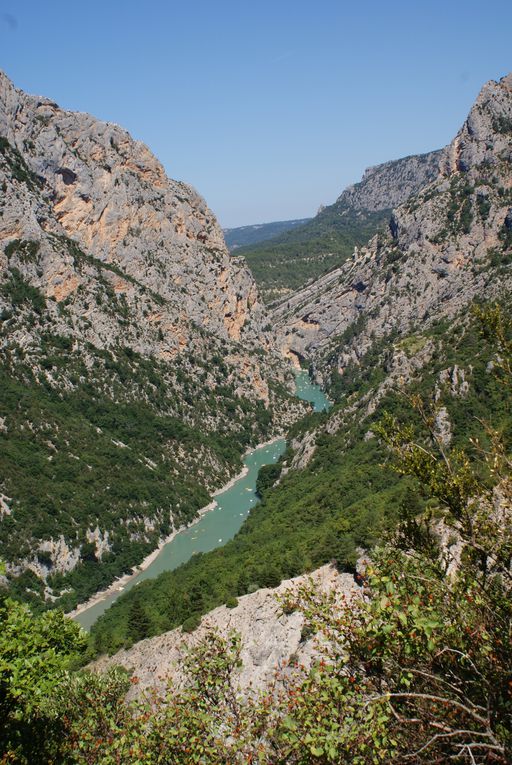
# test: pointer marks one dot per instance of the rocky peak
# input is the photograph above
(444, 246)
(110, 194)
(391, 183)
(486, 132)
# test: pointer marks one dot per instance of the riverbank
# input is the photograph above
(120, 583)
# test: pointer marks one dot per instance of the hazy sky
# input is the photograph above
(268, 108)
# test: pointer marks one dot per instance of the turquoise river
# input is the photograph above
(218, 525)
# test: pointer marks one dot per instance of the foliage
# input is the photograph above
(20, 292)
(192, 623)
(267, 476)
(26, 250)
(244, 236)
(418, 671)
(34, 654)
(18, 168)
(112, 444)
(98, 725)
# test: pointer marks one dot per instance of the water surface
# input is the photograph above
(309, 391)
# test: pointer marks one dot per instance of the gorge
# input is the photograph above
(218, 523)
(140, 369)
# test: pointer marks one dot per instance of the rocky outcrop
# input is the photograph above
(89, 180)
(391, 183)
(442, 249)
(270, 638)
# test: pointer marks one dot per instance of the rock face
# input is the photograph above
(119, 297)
(443, 248)
(90, 181)
(269, 637)
(392, 183)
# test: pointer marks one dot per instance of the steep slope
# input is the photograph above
(270, 638)
(134, 365)
(110, 195)
(445, 246)
(244, 236)
(287, 262)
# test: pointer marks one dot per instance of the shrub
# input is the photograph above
(192, 623)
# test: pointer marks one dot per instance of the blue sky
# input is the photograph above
(268, 108)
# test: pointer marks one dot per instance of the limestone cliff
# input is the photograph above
(90, 181)
(443, 247)
(391, 183)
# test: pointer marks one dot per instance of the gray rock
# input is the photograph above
(269, 637)
(432, 262)
(392, 183)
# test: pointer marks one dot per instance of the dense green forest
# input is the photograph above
(244, 236)
(290, 260)
(341, 501)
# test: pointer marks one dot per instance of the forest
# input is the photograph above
(290, 260)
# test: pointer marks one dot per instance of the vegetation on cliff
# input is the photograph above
(105, 455)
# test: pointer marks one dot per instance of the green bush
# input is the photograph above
(192, 623)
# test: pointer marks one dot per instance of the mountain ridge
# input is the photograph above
(448, 238)
(242, 236)
(297, 257)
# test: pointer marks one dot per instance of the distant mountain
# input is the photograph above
(299, 255)
(245, 236)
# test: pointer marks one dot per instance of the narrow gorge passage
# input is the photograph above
(219, 525)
